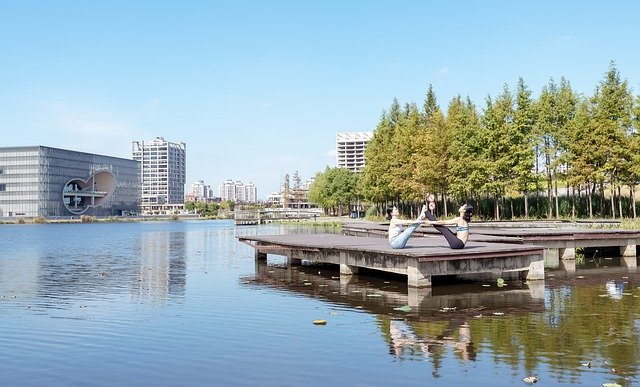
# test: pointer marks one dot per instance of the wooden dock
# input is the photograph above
(419, 261)
(558, 240)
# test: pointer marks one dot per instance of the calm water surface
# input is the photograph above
(184, 303)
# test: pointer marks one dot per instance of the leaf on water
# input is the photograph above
(501, 282)
(319, 322)
(405, 308)
(530, 379)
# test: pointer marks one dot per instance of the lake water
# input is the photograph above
(184, 303)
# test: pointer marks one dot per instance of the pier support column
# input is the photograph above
(629, 262)
(346, 269)
(569, 266)
(536, 270)
(551, 258)
(415, 277)
(567, 253)
(628, 251)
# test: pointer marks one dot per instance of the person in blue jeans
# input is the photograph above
(398, 235)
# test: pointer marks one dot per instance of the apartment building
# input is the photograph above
(350, 148)
(163, 171)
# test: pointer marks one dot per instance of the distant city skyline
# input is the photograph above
(258, 89)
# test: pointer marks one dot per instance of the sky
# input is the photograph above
(259, 89)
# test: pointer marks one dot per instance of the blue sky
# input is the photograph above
(257, 89)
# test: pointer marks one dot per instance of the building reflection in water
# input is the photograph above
(162, 270)
(416, 323)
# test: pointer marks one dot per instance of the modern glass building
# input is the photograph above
(52, 182)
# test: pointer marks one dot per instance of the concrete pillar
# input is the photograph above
(415, 277)
(630, 262)
(345, 268)
(552, 258)
(569, 266)
(628, 251)
(348, 270)
(568, 253)
(536, 270)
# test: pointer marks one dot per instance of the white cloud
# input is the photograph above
(443, 71)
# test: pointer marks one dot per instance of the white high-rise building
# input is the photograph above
(198, 191)
(238, 191)
(163, 170)
(350, 147)
(251, 193)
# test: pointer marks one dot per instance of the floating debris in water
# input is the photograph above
(374, 295)
(530, 379)
(611, 385)
(319, 322)
(501, 282)
(334, 313)
(445, 309)
(498, 313)
(486, 285)
(405, 308)
(586, 364)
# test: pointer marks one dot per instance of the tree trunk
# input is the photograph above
(590, 200)
(633, 200)
(613, 201)
(511, 204)
(620, 201)
(602, 200)
(497, 208)
(526, 205)
(555, 193)
(444, 204)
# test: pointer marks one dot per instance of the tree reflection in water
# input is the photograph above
(583, 321)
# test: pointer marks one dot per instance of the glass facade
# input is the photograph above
(51, 182)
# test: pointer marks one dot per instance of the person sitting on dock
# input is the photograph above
(398, 236)
(459, 239)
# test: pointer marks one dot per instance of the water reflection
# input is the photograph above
(575, 323)
(46, 270)
(162, 269)
(416, 323)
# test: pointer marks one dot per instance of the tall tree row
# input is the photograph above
(563, 151)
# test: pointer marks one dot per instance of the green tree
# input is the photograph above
(613, 113)
(523, 143)
(498, 125)
(334, 189)
(377, 173)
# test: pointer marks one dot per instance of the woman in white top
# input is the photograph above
(398, 235)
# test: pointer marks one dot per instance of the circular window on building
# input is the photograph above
(79, 195)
